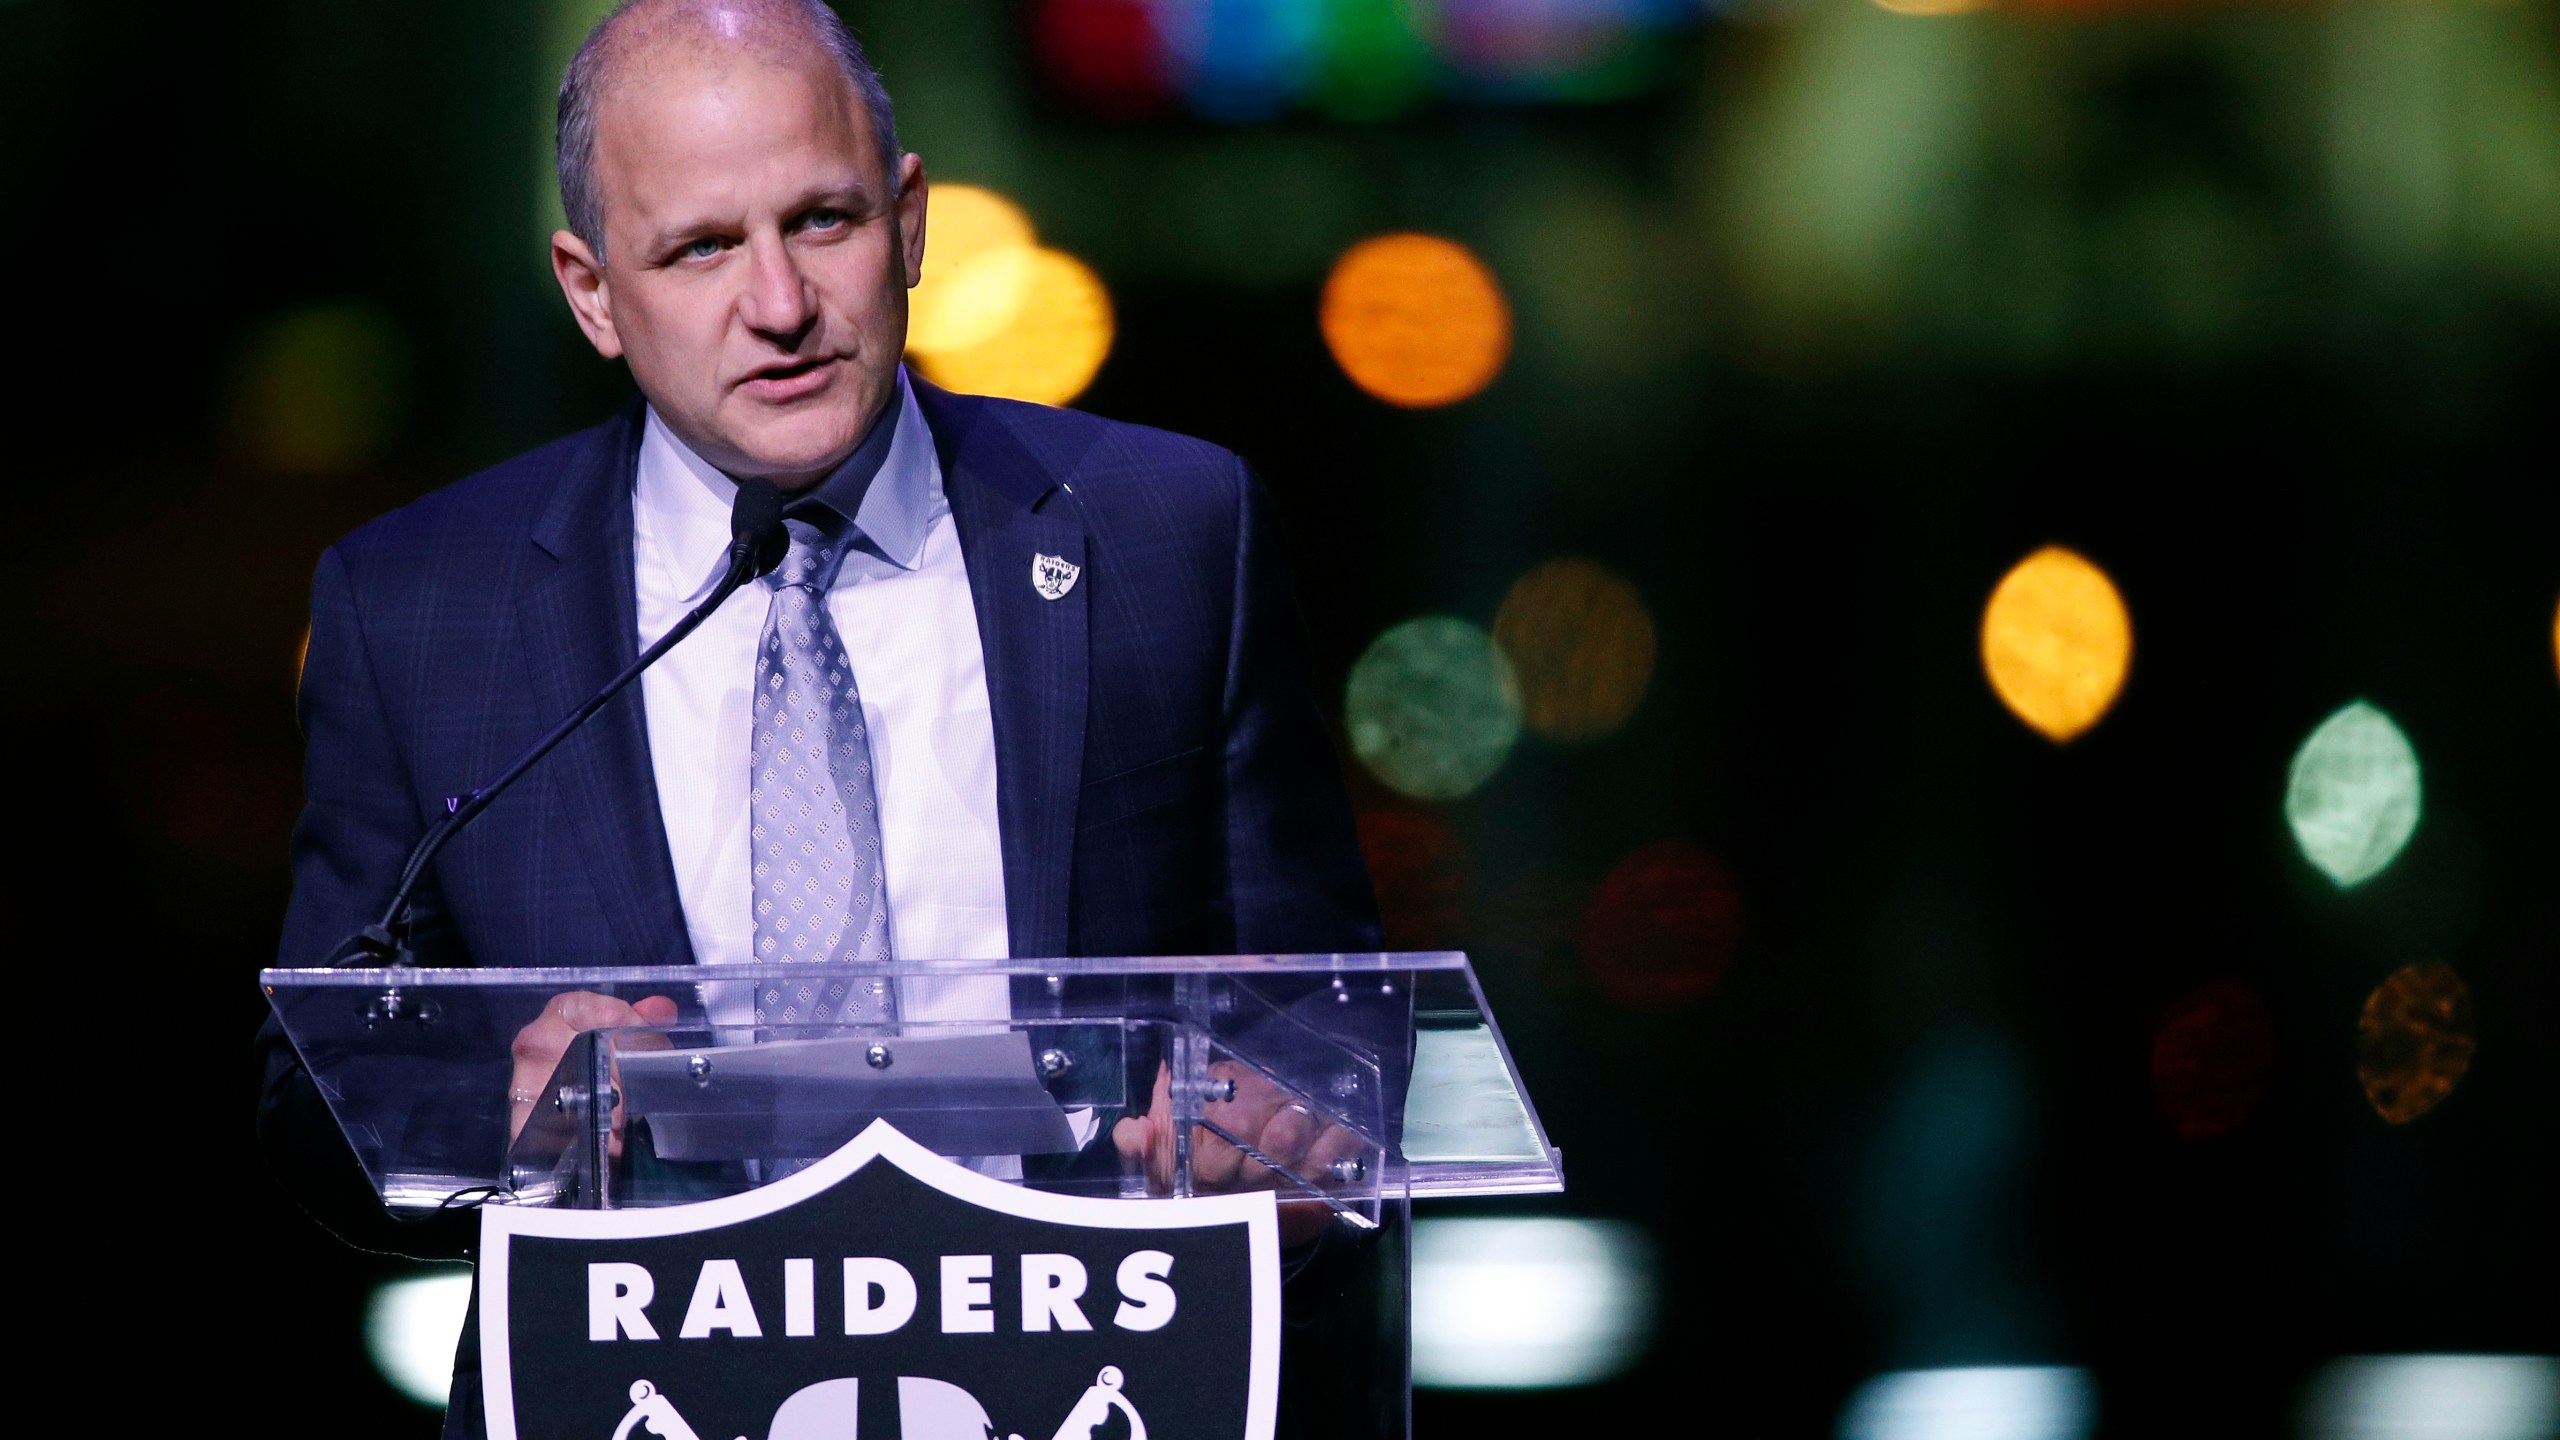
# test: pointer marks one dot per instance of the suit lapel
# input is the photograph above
(579, 626)
(1009, 515)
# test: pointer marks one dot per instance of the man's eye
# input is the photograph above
(702, 249)
(824, 220)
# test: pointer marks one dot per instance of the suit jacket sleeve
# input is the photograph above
(1295, 878)
(358, 821)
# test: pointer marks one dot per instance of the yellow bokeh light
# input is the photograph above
(1582, 642)
(1415, 320)
(1931, 7)
(1048, 350)
(978, 269)
(2555, 639)
(973, 302)
(320, 390)
(2056, 642)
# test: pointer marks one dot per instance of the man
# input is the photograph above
(1057, 700)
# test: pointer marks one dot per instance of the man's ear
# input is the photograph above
(912, 185)
(590, 295)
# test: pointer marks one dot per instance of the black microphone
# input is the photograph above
(757, 543)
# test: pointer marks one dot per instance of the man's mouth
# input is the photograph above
(787, 378)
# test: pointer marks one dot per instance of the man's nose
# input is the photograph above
(777, 301)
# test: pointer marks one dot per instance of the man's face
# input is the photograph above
(758, 259)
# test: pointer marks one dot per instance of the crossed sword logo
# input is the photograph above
(658, 1414)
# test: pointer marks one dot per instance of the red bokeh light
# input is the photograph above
(1424, 876)
(1103, 56)
(1662, 928)
(2211, 1058)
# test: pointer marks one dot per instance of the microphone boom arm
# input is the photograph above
(753, 551)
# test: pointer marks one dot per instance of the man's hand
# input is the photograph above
(1263, 1116)
(540, 1045)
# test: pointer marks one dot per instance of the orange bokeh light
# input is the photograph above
(1582, 642)
(1415, 320)
(2414, 1042)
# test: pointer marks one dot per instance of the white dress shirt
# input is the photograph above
(901, 603)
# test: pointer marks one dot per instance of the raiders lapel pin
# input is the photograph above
(1052, 576)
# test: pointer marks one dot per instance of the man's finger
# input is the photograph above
(1147, 1137)
(1217, 1165)
(584, 1010)
(565, 1017)
(655, 1010)
(1286, 1136)
(1335, 1144)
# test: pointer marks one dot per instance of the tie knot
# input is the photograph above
(812, 560)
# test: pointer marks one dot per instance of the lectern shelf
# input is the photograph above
(1397, 1049)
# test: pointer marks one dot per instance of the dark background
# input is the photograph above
(1818, 333)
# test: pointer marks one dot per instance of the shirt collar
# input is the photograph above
(840, 496)
(889, 480)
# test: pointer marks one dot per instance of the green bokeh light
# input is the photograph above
(2353, 798)
(1375, 63)
(1433, 708)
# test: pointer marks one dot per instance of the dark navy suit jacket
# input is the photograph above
(1165, 784)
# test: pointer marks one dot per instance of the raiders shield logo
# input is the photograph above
(883, 1293)
(1052, 576)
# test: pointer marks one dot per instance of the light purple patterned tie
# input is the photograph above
(820, 893)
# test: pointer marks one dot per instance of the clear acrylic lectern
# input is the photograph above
(1350, 1085)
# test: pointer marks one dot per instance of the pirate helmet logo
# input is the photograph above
(1053, 575)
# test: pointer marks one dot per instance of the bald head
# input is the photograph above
(642, 37)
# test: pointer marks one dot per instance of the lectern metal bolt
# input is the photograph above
(1349, 1170)
(1345, 1086)
(1219, 1091)
(879, 1056)
(1055, 1063)
(699, 1067)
